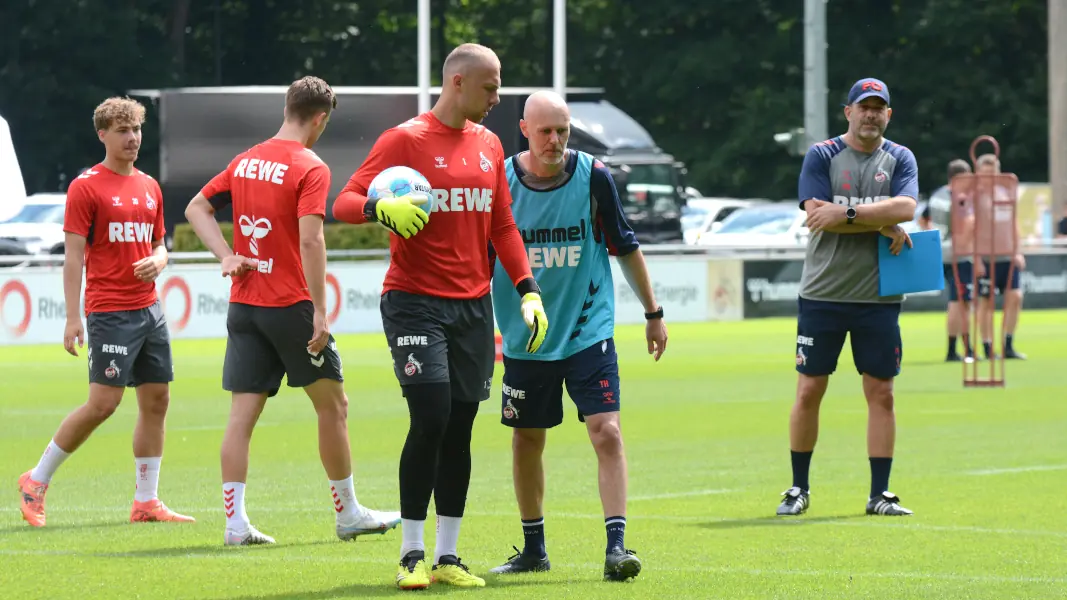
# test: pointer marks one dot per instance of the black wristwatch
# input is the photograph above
(658, 314)
(850, 214)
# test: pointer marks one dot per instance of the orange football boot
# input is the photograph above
(32, 499)
(154, 511)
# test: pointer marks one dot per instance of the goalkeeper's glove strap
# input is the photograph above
(533, 335)
(527, 286)
(369, 211)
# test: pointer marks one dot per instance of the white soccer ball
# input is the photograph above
(402, 181)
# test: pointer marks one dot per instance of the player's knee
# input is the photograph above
(879, 393)
(606, 437)
(429, 405)
(335, 407)
(810, 391)
(528, 441)
(103, 404)
(157, 405)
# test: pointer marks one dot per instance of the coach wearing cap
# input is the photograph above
(854, 188)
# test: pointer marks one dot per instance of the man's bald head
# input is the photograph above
(546, 122)
(467, 57)
(545, 104)
(471, 81)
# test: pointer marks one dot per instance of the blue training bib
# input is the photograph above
(569, 264)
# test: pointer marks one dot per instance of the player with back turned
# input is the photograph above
(854, 187)
(436, 308)
(277, 323)
(114, 223)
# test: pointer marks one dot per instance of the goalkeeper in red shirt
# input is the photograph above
(436, 308)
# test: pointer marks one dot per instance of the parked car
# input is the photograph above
(761, 225)
(38, 225)
(703, 215)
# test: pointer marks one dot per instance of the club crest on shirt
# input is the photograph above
(484, 162)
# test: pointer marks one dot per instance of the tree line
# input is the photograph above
(711, 81)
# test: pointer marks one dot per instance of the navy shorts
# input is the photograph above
(964, 284)
(873, 330)
(1000, 278)
(533, 389)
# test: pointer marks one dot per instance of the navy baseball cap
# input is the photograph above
(868, 88)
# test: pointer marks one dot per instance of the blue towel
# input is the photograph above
(916, 269)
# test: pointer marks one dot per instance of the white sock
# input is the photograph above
(233, 502)
(412, 533)
(344, 499)
(147, 478)
(51, 459)
(447, 537)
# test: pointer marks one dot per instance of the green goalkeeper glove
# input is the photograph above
(533, 312)
(403, 216)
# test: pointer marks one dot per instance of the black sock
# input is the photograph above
(533, 530)
(951, 345)
(880, 468)
(616, 527)
(988, 347)
(1007, 342)
(428, 407)
(454, 465)
(801, 466)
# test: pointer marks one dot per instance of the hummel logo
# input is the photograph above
(593, 289)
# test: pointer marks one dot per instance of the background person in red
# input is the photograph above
(436, 309)
(277, 322)
(114, 223)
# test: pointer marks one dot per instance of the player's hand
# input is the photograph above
(404, 216)
(1020, 261)
(825, 215)
(149, 267)
(320, 334)
(533, 312)
(74, 332)
(656, 335)
(979, 269)
(237, 265)
(899, 237)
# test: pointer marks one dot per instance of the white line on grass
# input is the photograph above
(909, 525)
(680, 495)
(959, 528)
(1017, 470)
(269, 554)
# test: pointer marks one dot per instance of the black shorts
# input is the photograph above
(533, 389)
(873, 330)
(441, 340)
(264, 343)
(129, 347)
(1000, 278)
(963, 284)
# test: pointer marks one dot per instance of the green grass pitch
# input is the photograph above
(706, 435)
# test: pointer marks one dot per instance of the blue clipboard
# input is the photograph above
(914, 270)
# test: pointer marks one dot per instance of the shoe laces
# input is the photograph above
(516, 556)
(458, 563)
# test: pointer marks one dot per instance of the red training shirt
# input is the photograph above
(472, 206)
(271, 186)
(120, 216)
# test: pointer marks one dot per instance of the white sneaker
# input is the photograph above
(252, 537)
(369, 521)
